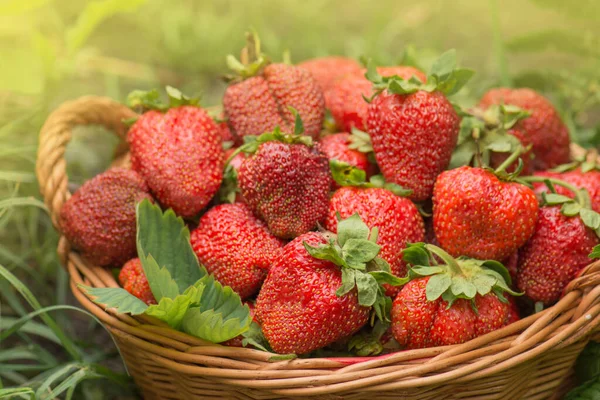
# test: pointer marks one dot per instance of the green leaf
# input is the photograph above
(426, 271)
(367, 287)
(499, 269)
(570, 209)
(360, 141)
(173, 310)
(176, 98)
(345, 174)
(14, 393)
(221, 315)
(298, 124)
(149, 99)
(590, 218)
(359, 251)
(351, 228)
(457, 80)
(552, 199)
(325, 252)
(444, 65)
(372, 73)
(463, 154)
(416, 254)
(437, 285)
(483, 283)
(164, 237)
(117, 298)
(385, 277)
(348, 281)
(378, 264)
(254, 337)
(595, 252)
(160, 280)
(461, 286)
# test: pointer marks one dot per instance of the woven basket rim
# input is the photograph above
(573, 320)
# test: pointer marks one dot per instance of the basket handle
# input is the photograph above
(51, 168)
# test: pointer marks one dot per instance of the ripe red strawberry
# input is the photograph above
(589, 180)
(238, 340)
(421, 318)
(345, 98)
(133, 279)
(99, 219)
(261, 102)
(318, 290)
(554, 255)
(286, 183)
(235, 246)
(180, 155)
(549, 135)
(397, 218)
(476, 214)
(337, 147)
(327, 70)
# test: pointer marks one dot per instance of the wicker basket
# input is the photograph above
(530, 359)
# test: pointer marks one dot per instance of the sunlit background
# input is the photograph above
(52, 51)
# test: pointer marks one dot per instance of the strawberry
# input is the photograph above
(179, 152)
(229, 192)
(413, 126)
(345, 98)
(235, 246)
(581, 174)
(549, 135)
(396, 217)
(489, 137)
(339, 146)
(449, 303)
(318, 290)
(481, 213)
(566, 232)
(261, 101)
(286, 182)
(133, 279)
(99, 219)
(327, 70)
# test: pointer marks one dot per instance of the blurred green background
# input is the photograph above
(51, 51)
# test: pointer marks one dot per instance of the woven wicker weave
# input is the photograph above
(530, 359)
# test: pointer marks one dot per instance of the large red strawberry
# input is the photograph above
(477, 214)
(397, 218)
(445, 305)
(236, 247)
(179, 153)
(99, 219)
(565, 234)
(413, 126)
(345, 98)
(261, 101)
(549, 135)
(339, 146)
(286, 183)
(327, 70)
(133, 279)
(318, 291)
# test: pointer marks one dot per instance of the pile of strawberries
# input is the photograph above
(355, 207)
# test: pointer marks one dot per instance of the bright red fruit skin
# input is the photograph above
(327, 70)
(397, 218)
(345, 97)
(99, 219)
(554, 255)
(549, 135)
(418, 323)
(589, 180)
(287, 186)
(179, 153)
(235, 246)
(413, 137)
(297, 305)
(259, 104)
(477, 215)
(133, 279)
(335, 147)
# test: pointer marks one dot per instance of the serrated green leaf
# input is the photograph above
(437, 285)
(117, 298)
(325, 252)
(483, 283)
(457, 80)
(351, 228)
(348, 281)
(221, 315)
(461, 286)
(359, 251)
(367, 288)
(590, 218)
(165, 238)
(595, 252)
(172, 310)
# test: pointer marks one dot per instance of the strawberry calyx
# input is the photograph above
(345, 174)
(355, 250)
(142, 101)
(368, 341)
(483, 132)
(252, 60)
(456, 278)
(360, 141)
(443, 76)
(580, 206)
(587, 162)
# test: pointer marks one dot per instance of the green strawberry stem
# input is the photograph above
(579, 196)
(447, 258)
(345, 174)
(511, 159)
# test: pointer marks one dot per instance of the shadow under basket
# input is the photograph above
(530, 359)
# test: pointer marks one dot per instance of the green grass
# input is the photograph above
(54, 50)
